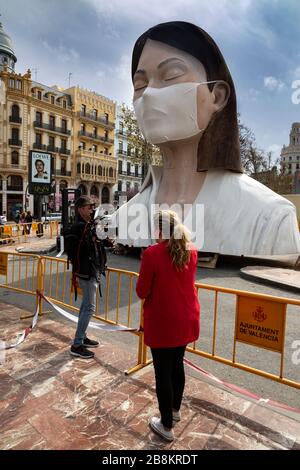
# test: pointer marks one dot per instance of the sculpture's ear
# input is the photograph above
(220, 94)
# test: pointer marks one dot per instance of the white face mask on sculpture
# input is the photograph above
(169, 113)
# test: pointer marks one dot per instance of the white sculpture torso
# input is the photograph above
(241, 216)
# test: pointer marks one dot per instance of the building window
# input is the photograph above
(94, 148)
(15, 158)
(82, 129)
(119, 185)
(39, 117)
(11, 83)
(64, 103)
(128, 186)
(106, 151)
(15, 134)
(106, 118)
(136, 170)
(120, 146)
(94, 114)
(129, 150)
(297, 166)
(99, 170)
(52, 100)
(120, 166)
(106, 135)
(52, 122)
(19, 85)
(63, 167)
(51, 143)
(128, 168)
(39, 95)
(88, 168)
(78, 168)
(82, 145)
(63, 145)
(83, 109)
(94, 131)
(64, 125)
(290, 166)
(15, 111)
(38, 139)
(14, 183)
(298, 158)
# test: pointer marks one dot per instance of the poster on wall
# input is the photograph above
(40, 172)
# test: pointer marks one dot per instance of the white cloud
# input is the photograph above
(273, 84)
(297, 73)
(62, 53)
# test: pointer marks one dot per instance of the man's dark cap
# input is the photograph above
(84, 201)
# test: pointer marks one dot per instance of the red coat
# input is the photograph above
(171, 308)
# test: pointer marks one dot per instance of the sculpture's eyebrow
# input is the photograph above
(171, 59)
(164, 62)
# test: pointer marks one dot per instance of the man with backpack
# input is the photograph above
(88, 257)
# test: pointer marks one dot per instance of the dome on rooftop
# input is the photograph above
(6, 46)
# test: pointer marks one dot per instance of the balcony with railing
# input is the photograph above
(15, 119)
(15, 142)
(47, 100)
(122, 152)
(99, 120)
(38, 146)
(62, 173)
(51, 128)
(98, 138)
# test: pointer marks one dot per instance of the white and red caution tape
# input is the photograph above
(240, 390)
(92, 324)
(23, 335)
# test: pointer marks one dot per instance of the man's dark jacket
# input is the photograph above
(86, 252)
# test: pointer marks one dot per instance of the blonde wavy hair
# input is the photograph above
(171, 228)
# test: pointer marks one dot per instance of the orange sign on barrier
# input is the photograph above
(260, 322)
(3, 264)
(34, 226)
(7, 230)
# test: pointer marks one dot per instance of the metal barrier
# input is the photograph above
(244, 304)
(123, 308)
(120, 306)
(21, 233)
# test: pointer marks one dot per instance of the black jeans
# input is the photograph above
(170, 380)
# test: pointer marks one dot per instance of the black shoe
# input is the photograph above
(81, 351)
(90, 343)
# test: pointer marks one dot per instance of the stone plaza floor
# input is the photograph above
(49, 400)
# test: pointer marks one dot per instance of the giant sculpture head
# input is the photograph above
(183, 90)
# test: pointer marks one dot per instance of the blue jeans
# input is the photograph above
(87, 308)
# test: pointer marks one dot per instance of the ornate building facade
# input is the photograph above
(75, 125)
(290, 154)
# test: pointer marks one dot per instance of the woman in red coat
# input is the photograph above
(171, 313)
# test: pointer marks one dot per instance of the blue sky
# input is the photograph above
(93, 40)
